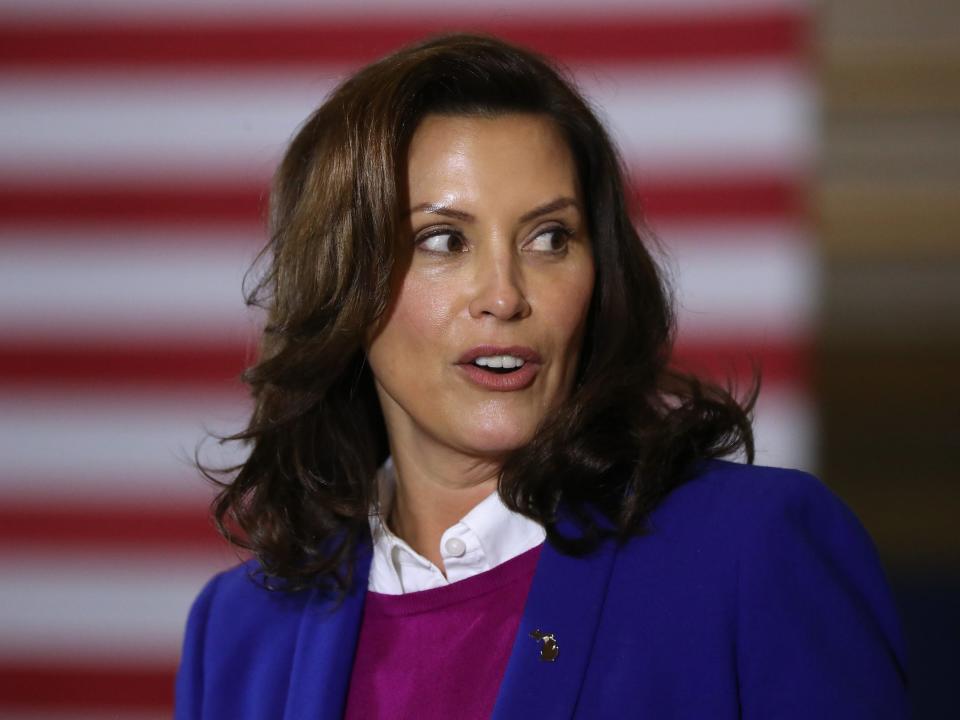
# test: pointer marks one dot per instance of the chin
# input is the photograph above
(485, 440)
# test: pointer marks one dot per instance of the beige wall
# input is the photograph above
(887, 203)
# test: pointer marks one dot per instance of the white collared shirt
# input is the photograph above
(485, 537)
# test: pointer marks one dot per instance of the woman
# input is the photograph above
(474, 486)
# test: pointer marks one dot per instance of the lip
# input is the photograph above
(527, 354)
(519, 379)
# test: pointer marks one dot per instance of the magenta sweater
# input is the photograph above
(440, 653)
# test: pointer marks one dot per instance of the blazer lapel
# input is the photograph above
(566, 597)
(326, 643)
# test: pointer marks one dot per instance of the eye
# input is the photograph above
(442, 241)
(551, 240)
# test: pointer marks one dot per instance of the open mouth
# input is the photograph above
(499, 371)
(503, 378)
(499, 364)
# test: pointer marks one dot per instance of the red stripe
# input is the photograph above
(598, 37)
(115, 365)
(173, 530)
(134, 202)
(186, 203)
(130, 687)
(777, 363)
(734, 198)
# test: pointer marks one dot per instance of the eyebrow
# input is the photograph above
(439, 209)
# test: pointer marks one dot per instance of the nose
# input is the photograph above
(498, 286)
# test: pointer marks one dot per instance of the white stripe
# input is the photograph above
(99, 447)
(111, 606)
(785, 428)
(721, 120)
(727, 119)
(176, 285)
(186, 10)
(126, 284)
(744, 281)
(118, 124)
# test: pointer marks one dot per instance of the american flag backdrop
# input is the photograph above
(136, 141)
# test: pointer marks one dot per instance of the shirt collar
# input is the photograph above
(488, 535)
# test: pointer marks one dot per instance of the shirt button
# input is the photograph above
(455, 547)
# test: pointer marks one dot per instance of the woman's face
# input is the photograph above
(486, 322)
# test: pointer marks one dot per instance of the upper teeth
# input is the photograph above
(496, 361)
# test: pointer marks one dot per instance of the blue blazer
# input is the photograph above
(755, 594)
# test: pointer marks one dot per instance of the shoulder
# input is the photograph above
(773, 564)
(706, 529)
(759, 540)
(720, 486)
(239, 596)
(235, 612)
(725, 504)
(732, 505)
(237, 627)
(763, 521)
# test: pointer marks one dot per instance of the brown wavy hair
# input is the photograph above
(631, 429)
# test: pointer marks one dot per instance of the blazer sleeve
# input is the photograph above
(817, 630)
(189, 683)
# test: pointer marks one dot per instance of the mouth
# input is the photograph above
(501, 368)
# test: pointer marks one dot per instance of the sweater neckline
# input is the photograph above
(484, 583)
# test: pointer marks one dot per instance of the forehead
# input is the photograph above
(465, 157)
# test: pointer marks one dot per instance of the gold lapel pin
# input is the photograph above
(549, 649)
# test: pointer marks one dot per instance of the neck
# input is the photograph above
(433, 492)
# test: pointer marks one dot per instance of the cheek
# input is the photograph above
(422, 310)
(567, 304)
(414, 328)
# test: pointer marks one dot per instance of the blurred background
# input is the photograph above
(799, 161)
